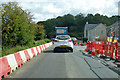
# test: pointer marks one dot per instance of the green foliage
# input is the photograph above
(76, 23)
(40, 32)
(47, 40)
(18, 30)
(40, 42)
(9, 50)
(16, 25)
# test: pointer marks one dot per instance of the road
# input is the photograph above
(63, 65)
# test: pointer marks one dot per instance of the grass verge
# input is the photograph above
(10, 50)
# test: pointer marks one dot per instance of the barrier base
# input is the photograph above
(118, 64)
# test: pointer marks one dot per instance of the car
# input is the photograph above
(63, 42)
(74, 40)
(52, 39)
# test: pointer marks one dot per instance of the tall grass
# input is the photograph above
(10, 50)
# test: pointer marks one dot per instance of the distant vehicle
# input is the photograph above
(52, 39)
(61, 30)
(63, 42)
(74, 39)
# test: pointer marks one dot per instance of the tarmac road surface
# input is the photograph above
(63, 65)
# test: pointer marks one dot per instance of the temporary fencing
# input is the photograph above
(109, 49)
(117, 52)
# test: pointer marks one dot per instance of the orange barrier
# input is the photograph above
(117, 51)
(105, 48)
(109, 49)
(93, 48)
(89, 45)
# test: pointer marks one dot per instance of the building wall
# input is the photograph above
(85, 32)
(98, 31)
(113, 29)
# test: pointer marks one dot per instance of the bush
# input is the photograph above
(40, 42)
(9, 50)
(47, 40)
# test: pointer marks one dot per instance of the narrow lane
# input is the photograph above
(63, 65)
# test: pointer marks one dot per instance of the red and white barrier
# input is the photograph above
(11, 62)
(23, 57)
(31, 53)
(18, 59)
(39, 49)
(27, 55)
(34, 48)
(4, 67)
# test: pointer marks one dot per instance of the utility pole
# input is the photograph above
(119, 20)
(119, 30)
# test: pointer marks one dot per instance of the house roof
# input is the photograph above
(113, 25)
(90, 26)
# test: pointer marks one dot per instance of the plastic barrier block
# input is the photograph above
(12, 62)
(105, 48)
(118, 52)
(22, 55)
(44, 46)
(34, 48)
(27, 55)
(30, 53)
(4, 67)
(39, 49)
(33, 52)
(18, 59)
(47, 45)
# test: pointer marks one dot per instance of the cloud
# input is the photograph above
(45, 9)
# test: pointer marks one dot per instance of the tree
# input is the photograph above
(76, 23)
(16, 25)
(40, 32)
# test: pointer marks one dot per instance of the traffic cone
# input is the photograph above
(79, 44)
(86, 49)
(76, 44)
(93, 52)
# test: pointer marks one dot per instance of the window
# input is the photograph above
(63, 37)
(102, 32)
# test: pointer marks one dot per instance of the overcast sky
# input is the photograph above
(46, 9)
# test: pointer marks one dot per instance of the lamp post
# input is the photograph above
(119, 30)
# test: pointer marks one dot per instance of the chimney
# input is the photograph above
(87, 22)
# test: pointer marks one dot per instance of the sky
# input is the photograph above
(47, 9)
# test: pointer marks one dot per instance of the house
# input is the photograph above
(114, 30)
(94, 31)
